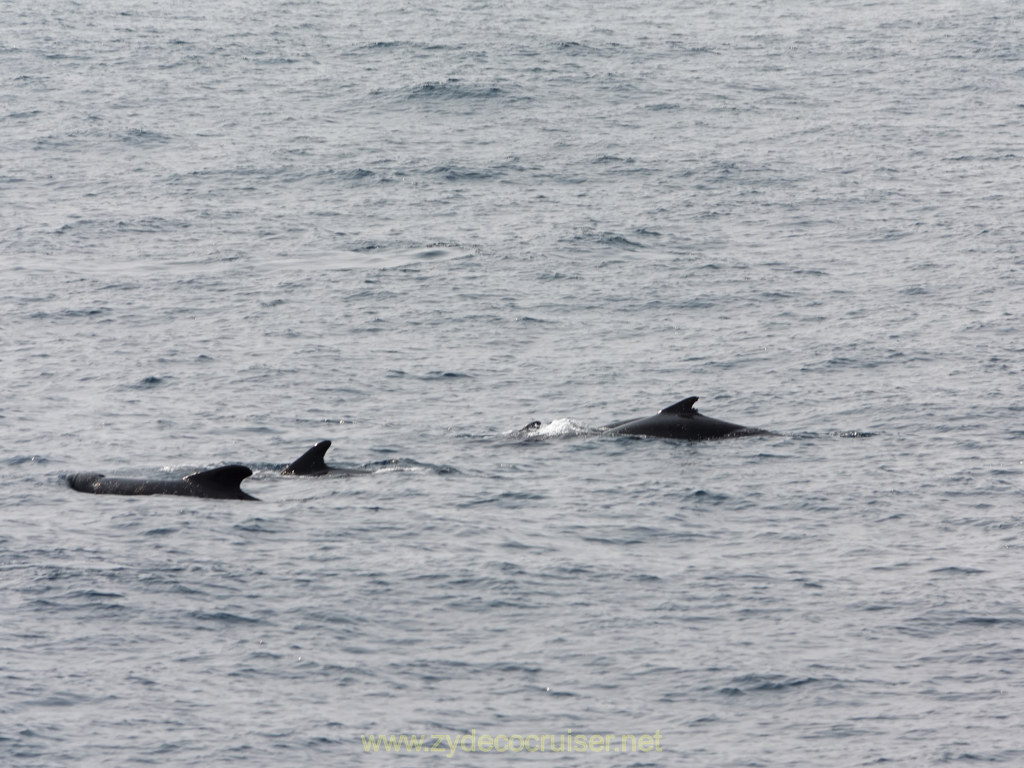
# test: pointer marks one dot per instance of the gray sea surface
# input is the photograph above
(229, 230)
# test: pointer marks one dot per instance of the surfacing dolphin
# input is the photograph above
(312, 463)
(219, 483)
(680, 421)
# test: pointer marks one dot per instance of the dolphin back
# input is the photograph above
(682, 408)
(86, 482)
(680, 421)
(311, 462)
(220, 483)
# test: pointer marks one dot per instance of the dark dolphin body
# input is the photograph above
(682, 422)
(219, 483)
(312, 463)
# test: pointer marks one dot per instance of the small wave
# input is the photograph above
(989, 621)
(444, 375)
(610, 239)
(528, 319)
(95, 594)
(72, 314)
(223, 617)
(412, 44)
(149, 382)
(398, 373)
(761, 683)
(506, 500)
(371, 255)
(143, 137)
(255, 525)
(15, 461)
(62, 699)
(613, 239)
(953, 570)
(461, 173)
(453, 88)
(408, 465)
(548, 276)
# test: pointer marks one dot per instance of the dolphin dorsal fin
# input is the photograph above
(682, 408)
(311, 462)
(222, 482)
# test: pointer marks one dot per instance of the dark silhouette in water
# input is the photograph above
(312, 463)
(219, 483)
(680, 421)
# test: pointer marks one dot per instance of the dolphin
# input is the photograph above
(312, 463)
(219, 483)
(680, 421)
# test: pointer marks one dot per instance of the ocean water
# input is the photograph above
(229, 230)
